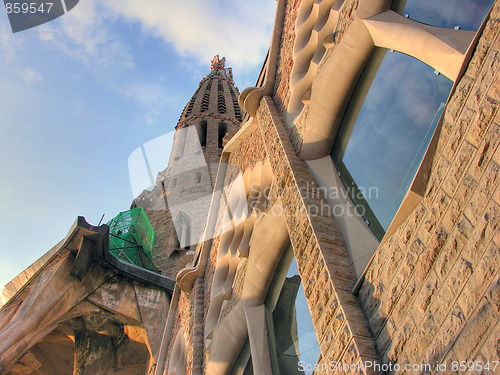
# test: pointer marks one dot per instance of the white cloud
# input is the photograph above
(196, 29)
(84, 34)
(238, 30)
(29, 75)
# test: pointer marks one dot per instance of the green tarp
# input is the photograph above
(131, 237)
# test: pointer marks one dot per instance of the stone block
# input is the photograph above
(483, 121)
(458, 167)
(490, 349)
(475, 331)
(445, 336)
(480, 280)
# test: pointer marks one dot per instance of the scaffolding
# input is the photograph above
(132, 238)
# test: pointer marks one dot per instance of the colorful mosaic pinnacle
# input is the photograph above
(218, 64)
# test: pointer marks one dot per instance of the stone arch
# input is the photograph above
(254, 235)
(201, 129)
(316, 73)
(247, 319)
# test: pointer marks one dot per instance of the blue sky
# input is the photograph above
(79, 94)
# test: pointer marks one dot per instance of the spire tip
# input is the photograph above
(218, 64)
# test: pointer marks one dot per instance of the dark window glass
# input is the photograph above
(447, 13)
(379, 148)
(202, 133)
(221, 132)
(295, 343)
(388, 126)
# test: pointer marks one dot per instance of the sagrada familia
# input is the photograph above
(340, 217)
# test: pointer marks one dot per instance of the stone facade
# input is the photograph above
(285, 59)
(431, 291)
(340, 324)
(430, 295)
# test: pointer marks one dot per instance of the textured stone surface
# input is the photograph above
(431, 293)
(436, 302)
(285, 59)
(104, 324)
(322, 260)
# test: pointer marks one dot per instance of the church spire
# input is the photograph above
(216, 97)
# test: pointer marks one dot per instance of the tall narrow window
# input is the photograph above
(221, 100)
(236, 107)
(293, 335)
(201, 128)
(221, 103)
(180, 142)
(183, 230)
(197, 177)
(237, 111)
(206, 97)
(221, 132)
(189, 108)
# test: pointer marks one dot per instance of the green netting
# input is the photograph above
(131, 236)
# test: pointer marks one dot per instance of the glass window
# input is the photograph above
(386, 131)
(389, 122)
(293, 338)
(447, 13)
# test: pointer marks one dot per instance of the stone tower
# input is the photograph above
(178, 204)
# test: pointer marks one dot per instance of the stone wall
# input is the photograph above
(189, 320)
(249, 153)
(285, 58)
(324, 268)
(183, 323)
(342, 329)
(432, 292)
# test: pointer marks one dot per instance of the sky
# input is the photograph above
(79, 94)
